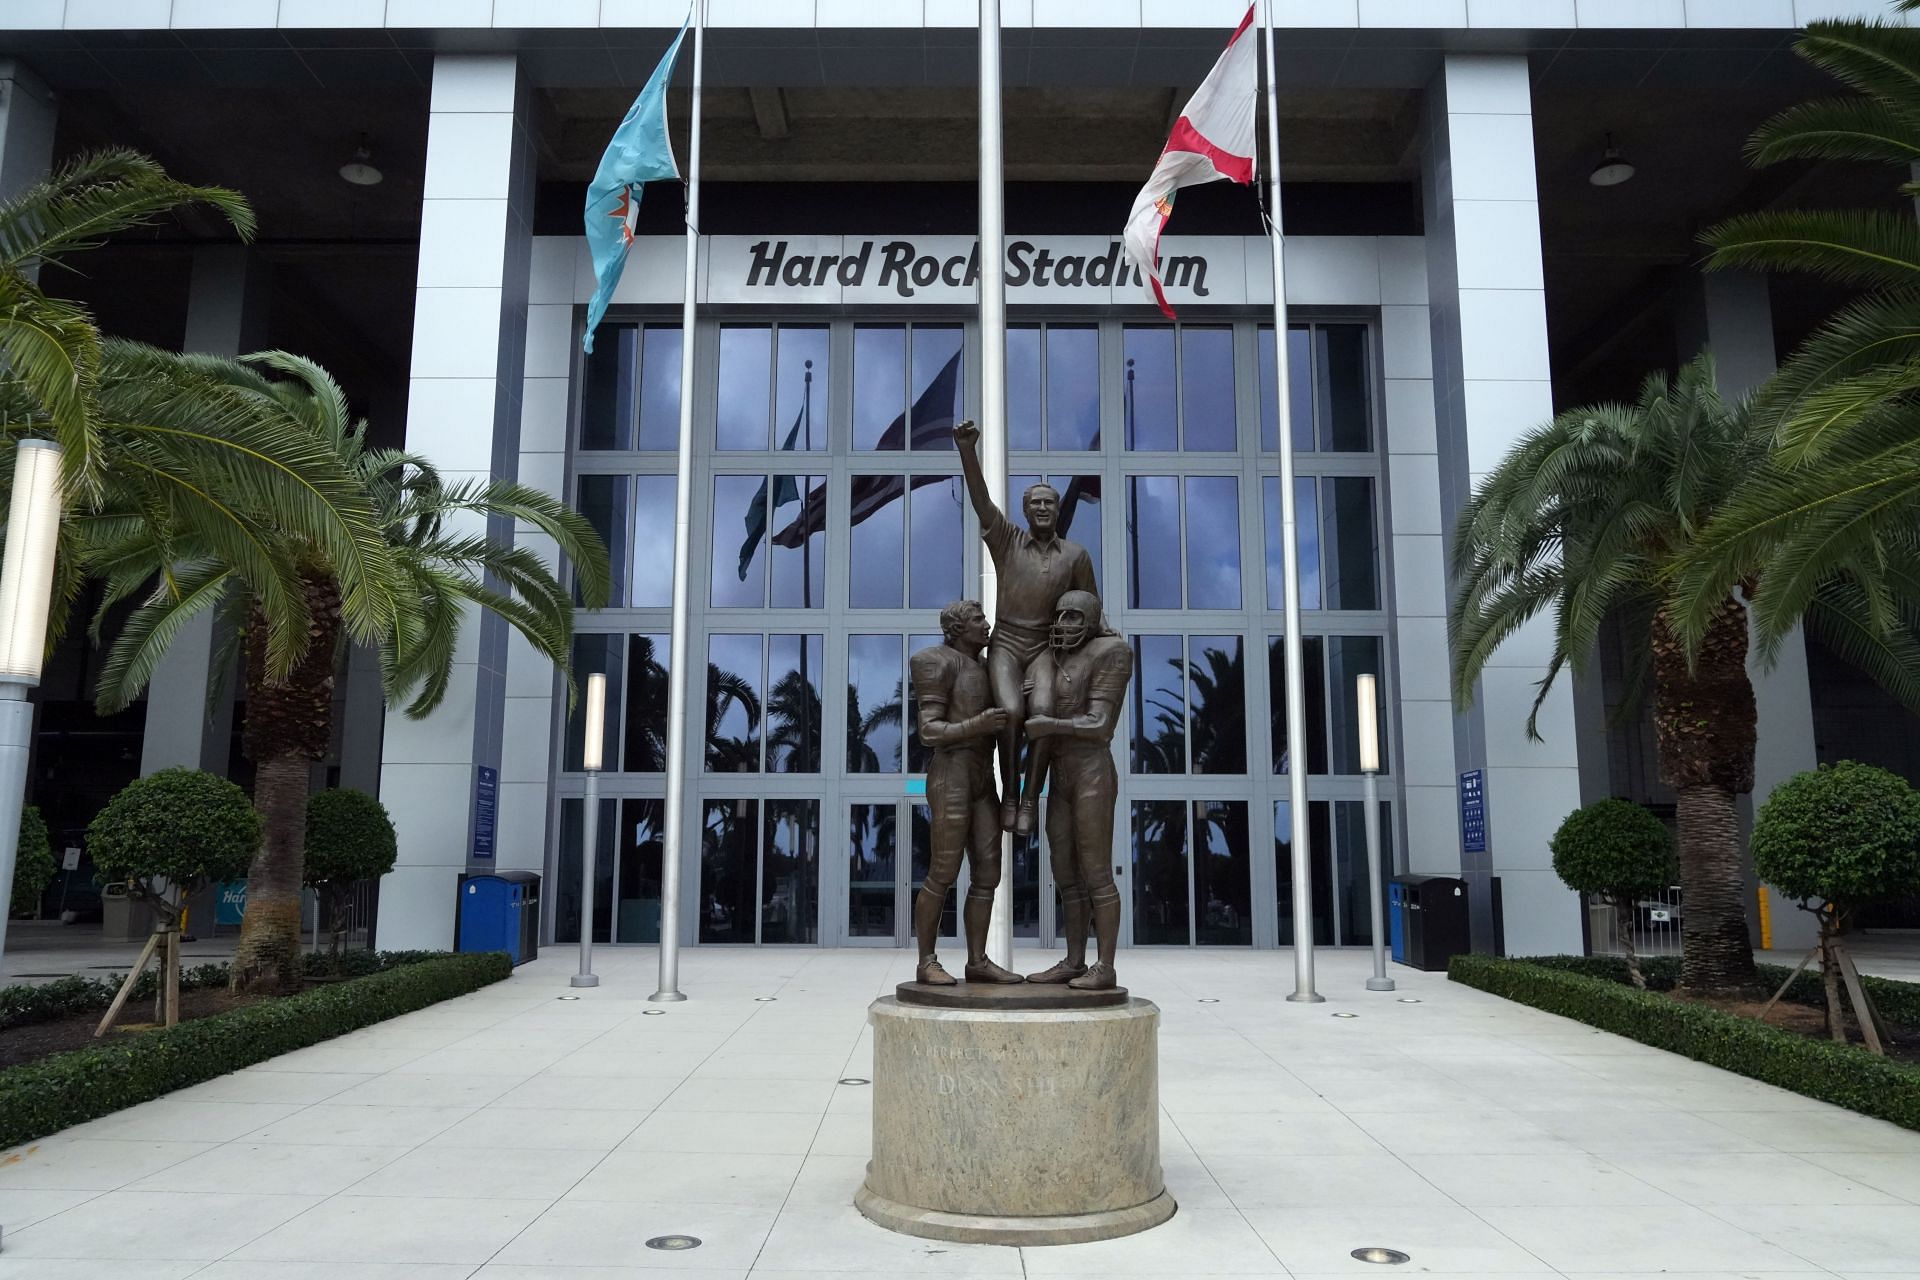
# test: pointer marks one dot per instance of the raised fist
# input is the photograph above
(993, 720)
(966, 434)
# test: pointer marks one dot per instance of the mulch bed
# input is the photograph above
(43, 1039)
(1808, 1020)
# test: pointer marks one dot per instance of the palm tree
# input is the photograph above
(1832, 514)
(725, 689)
(440, 559)
(793, 725)
(1586, 517)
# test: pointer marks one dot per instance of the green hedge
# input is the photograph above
(1899, 1002)
(38, 1098)
(1836, 1073)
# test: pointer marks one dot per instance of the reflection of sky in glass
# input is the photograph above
(603, 502)
(1307, 524)
(1351, 554)
(879, 558)
(794, 671)
(1153, 534)
(879, 381)
(1222, 874)
(1159, 706)
(1073, 387)
(917, 751)
(596, 654)
(1206, 389)
(933, 347)
(1218, 704)
(799, 573)
(797, 345)
(733, 745)
(1341, 351)
(746, 370)
(873, 704)
(660, 388)
(790, 875)
(1300, 370)
(935, 541)
(1313, 655)
(1213, 542)
(638, 918)
(652, 530)
(606, 411)
(1023, 386)
(1149, 388)
(732, 500)
(646, 703)
(1160, 873)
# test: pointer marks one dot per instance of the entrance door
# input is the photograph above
(887, 853)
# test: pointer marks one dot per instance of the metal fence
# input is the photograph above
(1656, 925)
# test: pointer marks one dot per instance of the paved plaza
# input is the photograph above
(521, 1134)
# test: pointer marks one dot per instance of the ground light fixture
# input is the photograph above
(26, 587)
(360, 170)
(1366, 696)
(674, 1243)
(1614, 167)
(592, 756)
(1374, 1253)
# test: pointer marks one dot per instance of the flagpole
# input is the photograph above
(678, 660)
(993, 398)
(1303, 991)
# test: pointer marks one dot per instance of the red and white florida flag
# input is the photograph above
(1212, 139)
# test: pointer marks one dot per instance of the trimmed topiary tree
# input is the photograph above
(1616, 851)
(349, 838)
(1835, 839)
(167, 836)
(33, 864)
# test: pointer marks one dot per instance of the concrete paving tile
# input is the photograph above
(396, 1229)
(1750, 1178)
(572, 1129)
(1340, 1181)
(254, 1270)
(1283, 1133)
(1193, 1241)
(89, 1164)
(97, 1269)
(328, 1124)
(802, 1097)
(1640, 1238)
(271, 1168)
(827, 1180)
(1442, 1239)
(1826, 1130)
(404, 1090)
(588, 1233)
(173, 1120)
(589, 1093)
(1838, 1237)
(1894, 1172)
(1569, 1180)
(23, 1206)
(1468, 1132)
(527, 1174)
(769, 1132)
(139, 1224)
(648, 1177)
(302, 1087)
(822, 1238)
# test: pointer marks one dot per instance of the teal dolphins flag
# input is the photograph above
(639, 153)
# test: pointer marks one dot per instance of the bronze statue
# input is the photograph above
(1035, 567)
(957, 719)
(1090, 670)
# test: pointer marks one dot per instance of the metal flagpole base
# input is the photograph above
(1306, 997)
(1380, 984)
(667, 997)
(584, 980)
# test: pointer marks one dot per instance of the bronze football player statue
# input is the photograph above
(958, 721)
(1091, 670)
(1035, 566)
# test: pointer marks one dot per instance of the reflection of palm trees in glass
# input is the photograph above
(793, 725)
(727, 754)
(1160, 871)
(1219, 695)
(1161, 745)
(1221, 873)
(862, 755)
(646, 750)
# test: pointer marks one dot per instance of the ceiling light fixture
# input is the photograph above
(1614, 167)
(359, 170)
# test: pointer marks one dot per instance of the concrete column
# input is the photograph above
(190, 699)
(1492, 382)
(27, 118)
(1730, 314)
(464, 408)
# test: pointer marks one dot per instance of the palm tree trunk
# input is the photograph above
(1705, 724)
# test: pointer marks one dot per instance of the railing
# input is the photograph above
(1656, 925)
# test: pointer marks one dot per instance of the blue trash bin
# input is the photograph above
(498, 911)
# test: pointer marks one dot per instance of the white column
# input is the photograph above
(463, 412)
(27, 118)
(1492, 382)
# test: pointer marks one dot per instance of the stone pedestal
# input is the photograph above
(1015, 1126)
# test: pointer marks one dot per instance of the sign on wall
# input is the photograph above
(486, 809)
(1473, 811)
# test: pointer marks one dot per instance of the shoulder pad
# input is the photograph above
(1112, 666)
(931, 666)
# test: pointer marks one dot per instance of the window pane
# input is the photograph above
(1342, 386)
(923, 862)
(939, 385)
(795, 672)
(799, 517)
(566, 908)
(871, 870)
(728, 834)
(1026, 886)
(879, 386)
(873, 704)
(733, 704)
(595, 654)
(1148, 406)
(917, 752)
(1160, 873)
(1300, 371)
(800, 390)
(1073, 387)
(746, 371)
(660, 387)
(1348, 548)
(790, 872)
(1347, 658)
(739, 570)
(1313, 666)
(609, 384)
(1159, 706)
(1153, 528)
(606, 503)
(879, 553)
(652, 542)
(1023, 386)
(1080, 514)
(1350, 862)
(646, 719)
(935, 542)
(1218, 708)
(637, 908)
(1307, 526)
(1206, 390)
(1213, 542)
(1222, 874)
(1319, 843)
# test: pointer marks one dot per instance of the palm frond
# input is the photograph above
(1870, 248)
(95, 196)
(1845, 129)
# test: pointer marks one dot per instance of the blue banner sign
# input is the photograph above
(231, 902)
(1473, 811)
(486, 807)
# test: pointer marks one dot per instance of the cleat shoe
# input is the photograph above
(1098, 977)
(988, 971)
(931, 974)
(1023, 822)
(1009, 815)
(1060, 973)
